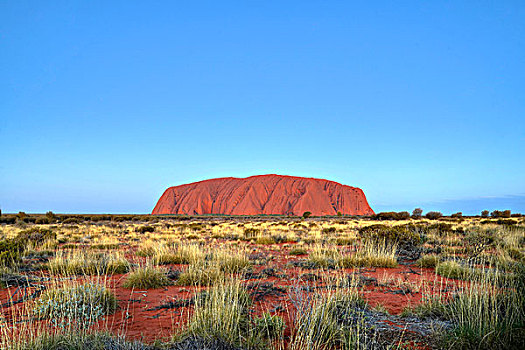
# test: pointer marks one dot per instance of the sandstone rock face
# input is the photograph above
(263, 194)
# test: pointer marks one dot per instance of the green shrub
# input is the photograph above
(11, 251)
(478, 241)
(433, 215)
(36, 235)
(144, 229)
(72, 340)
(417, 213)
(500, 214)
(328, 230)
(392, 215)
(402, 234)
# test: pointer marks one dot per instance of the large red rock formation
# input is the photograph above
(263, 194)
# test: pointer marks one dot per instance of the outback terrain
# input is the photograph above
(386, 281)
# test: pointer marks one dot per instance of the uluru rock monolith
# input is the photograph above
(263, 194)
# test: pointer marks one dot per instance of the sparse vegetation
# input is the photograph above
(262, 283)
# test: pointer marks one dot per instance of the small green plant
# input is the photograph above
(269, 326)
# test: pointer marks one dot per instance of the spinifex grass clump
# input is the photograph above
(328, 321)
(222, 313)
(428, 261)
(372, 254)
(88, 263)
(230, 260)
(203, 274)
(325, 256)
(146, 277)
(163, 254)
(75, 306)
(453, 269)
(489, 317)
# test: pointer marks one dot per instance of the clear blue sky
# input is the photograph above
(104, 104)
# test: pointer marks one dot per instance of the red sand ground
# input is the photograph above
(136, 320)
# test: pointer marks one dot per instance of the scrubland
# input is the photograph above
(179, 282)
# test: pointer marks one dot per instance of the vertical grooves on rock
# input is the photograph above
(264, 194)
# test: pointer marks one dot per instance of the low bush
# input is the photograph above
(144, 229)
(501, 214)
(392, 215)
(433, 215)
(328, 230)
(11, 251)
(402, 235)
(36, 235)
(251, 232)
